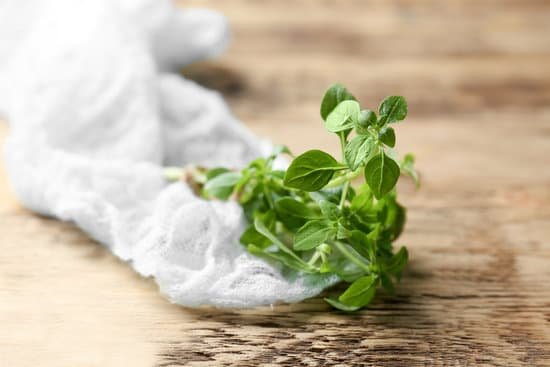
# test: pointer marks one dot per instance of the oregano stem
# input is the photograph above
(343, 249)
(268, 197)
(344, 194)
(339, 181)
(172, 173)
(343, 142)
(314, 258)
(345, 189)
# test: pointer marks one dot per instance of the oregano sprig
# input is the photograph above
(311, 218)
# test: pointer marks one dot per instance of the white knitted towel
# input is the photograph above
(94, 115)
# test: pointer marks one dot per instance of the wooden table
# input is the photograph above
(477, 291)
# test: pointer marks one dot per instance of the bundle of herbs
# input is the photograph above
(310, 218)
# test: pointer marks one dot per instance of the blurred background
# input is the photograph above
(475, 74)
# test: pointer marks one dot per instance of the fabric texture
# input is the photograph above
(95, 112)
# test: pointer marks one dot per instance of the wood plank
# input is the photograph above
(476, 291)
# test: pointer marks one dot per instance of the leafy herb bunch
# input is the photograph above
(311, 219)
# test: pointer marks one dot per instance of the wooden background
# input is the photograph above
(477, 291)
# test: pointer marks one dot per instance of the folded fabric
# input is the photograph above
(95, 112)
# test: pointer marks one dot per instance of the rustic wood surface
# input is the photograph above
(477, 291)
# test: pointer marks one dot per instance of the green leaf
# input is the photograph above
(252, 237)
(277, 173)
(250, 191)
(313, 234)
(293, 213)
(222, 185)
(361, 292)
(366, 118)
(211, 173)
(387, 136)
(341, 306)
(335, 94)
(362, 202)
(381, 173)
(342, 232)
(261, 228)
(363, 244)
(393, 108)
(343, 117)
(387, 284)
(398, 261)
(329, 209)
(345, 269)
(395, 219)
(252, 206)
(258, 163)
(407, 167)
(331, 194)
(311, 171)
(357, 150)
(280, 149)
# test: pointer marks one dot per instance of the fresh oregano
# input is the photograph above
(311, 219)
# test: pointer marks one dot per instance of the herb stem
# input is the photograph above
(269, 198)
(340, 180)
(314, 258)
(344, 195)
(172, 173)
(347, 253)
(343, 142)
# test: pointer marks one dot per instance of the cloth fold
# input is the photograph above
(95, 112)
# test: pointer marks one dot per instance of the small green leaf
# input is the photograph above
(362, 202)
(341, 306)
(360, 292)
(393, 108)
(398, 261)
(387, 136)
(387, 284)
(329, 209)
(250, 191)
(381, 173)
(258, 163)
(311, 171)
(335, 94)
(395, 219)
(332, 194)
(357, 150)
(407, 167)
(252, 206)
(342, 232)
(345, 269)
(211, 173)
(222, 185)
(261, 228)
(343, 117)
(277, 173)
(361, 243)
(280, 149)
(313, 234)
(252, 237)
(366, 118)
(293, 213)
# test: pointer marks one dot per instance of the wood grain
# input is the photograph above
(477, 290)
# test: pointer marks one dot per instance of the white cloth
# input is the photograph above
(95, 114)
